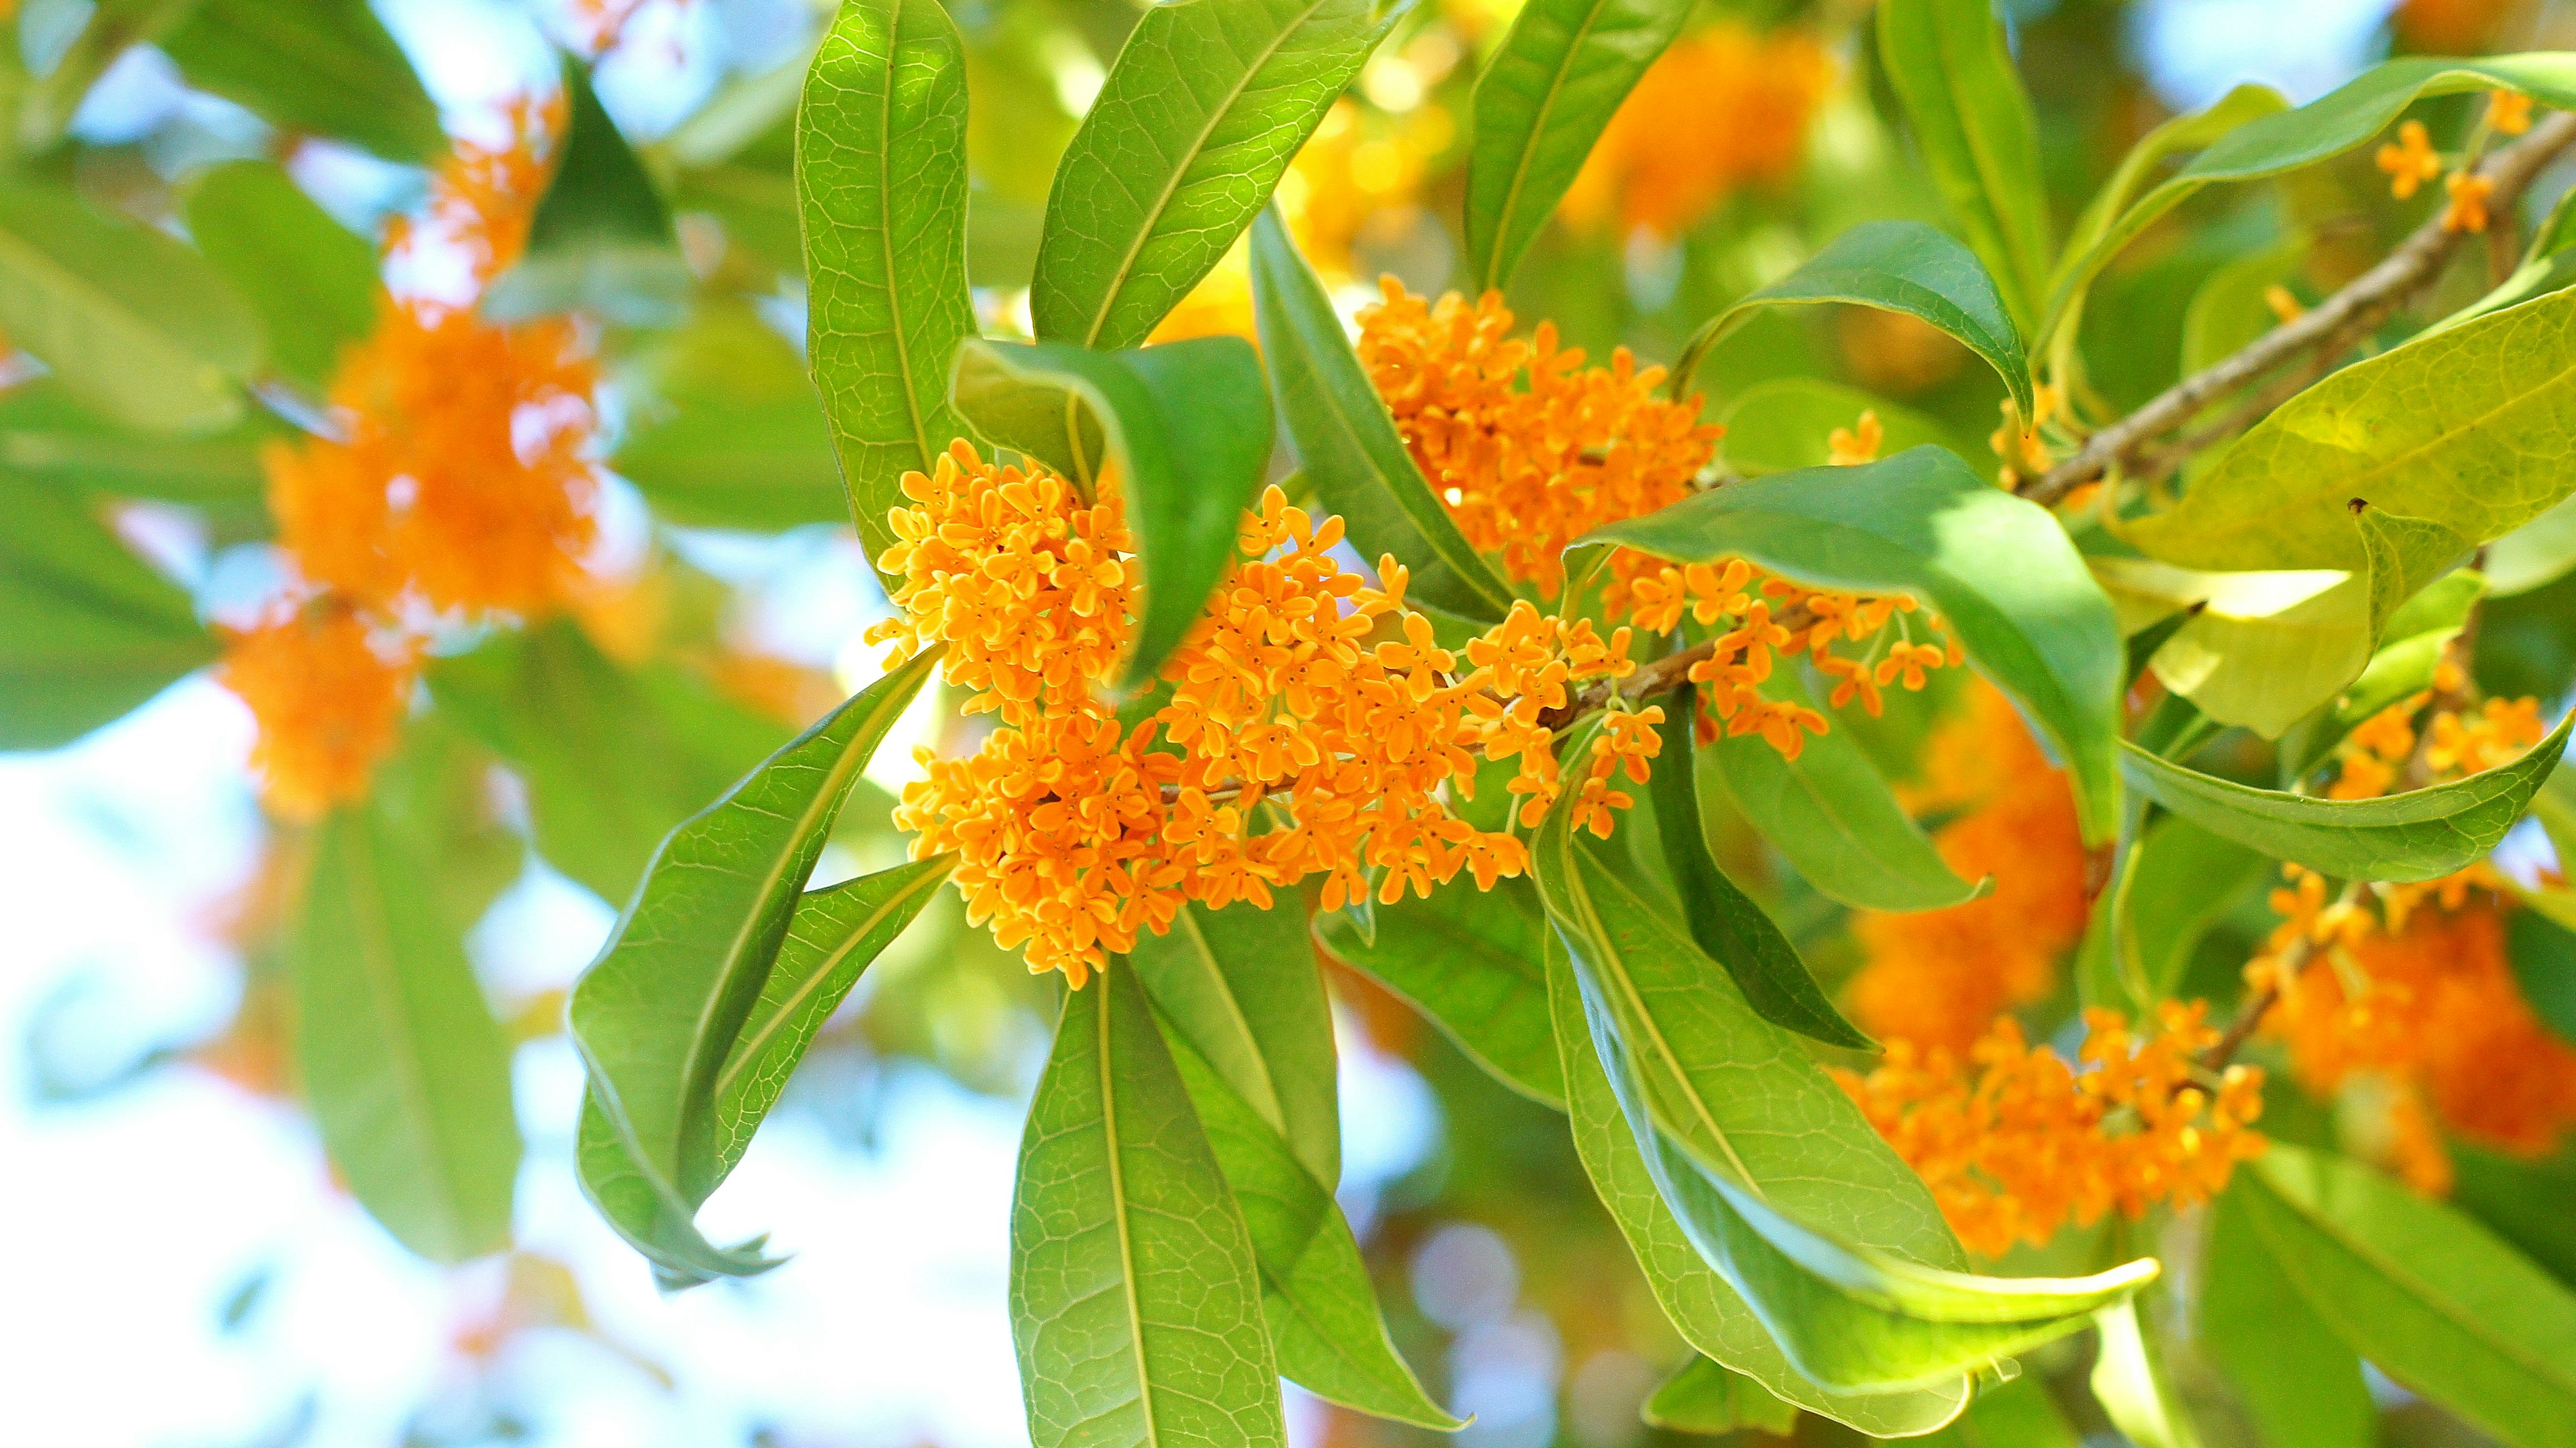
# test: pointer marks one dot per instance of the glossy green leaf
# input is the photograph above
(2176, 882)
(1136, 1300)
(601, 240)
(2418, 835)
(407, 1072)
(1832, 815)
(731, 434)
(312, 280)
(2131, 1382)
(2416, 636)
(1709, 1314)
(1242, 986)
(318, 67)
(2462, 430)
(1973, 127)
(88, 631)
(1705, 1397)
(1348, 445)
(657, 1013)
(2352, 115)
(1996, 568)
(555, 706)
(2422, 1292)
(1771, 1171)
(2300, 1383)
(1188, 422)
(1723, 920)
(137, 326)
(1469, 960)
(1785, 424)
(1893, 266)
(1316, 1295)
(47, 435)
(881, 178)
(1543, 100)
(1193, 127)
(832, 937)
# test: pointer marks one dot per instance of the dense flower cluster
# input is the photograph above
(2015, 1143)
(1314, 725)
(1530, 449)
(456, 481)
(1937, 979)
(2407, 988)
(1723, 108)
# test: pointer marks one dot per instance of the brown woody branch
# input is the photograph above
(2333, 324)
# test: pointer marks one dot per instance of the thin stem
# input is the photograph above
(2250, 1015)
(2357, 309)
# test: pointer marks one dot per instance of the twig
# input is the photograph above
(2250, 1015)
(1653, 678)
(2361, 306)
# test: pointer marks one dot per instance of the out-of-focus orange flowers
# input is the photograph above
(329, 693)
(1315, 725)
(2450, 27)
(2410, 160)
(1722, 109)
(2015, 1143)
(2417, 996)
(1937, 978)
(2509, 112)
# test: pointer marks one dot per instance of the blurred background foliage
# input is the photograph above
(197, 1275)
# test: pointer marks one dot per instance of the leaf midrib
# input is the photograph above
(1205, 954)
(1118, 1215)
(1529, 149)
(1172, 184)
(749, 1047)
(885, 237)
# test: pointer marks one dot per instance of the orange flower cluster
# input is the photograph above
(1935, 979)
(457, 478)
(1314, 724)
(1723, 108)
(2418, 995)
(1530, 450)
(2015, 1143)
(2410, 161)
(329, 693)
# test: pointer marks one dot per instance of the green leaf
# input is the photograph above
(2548, 264)
(1782, 425)
(113, 27)
(2231, 310)
(833, 936)
(2418, 634)
(1348, 445)
(1189, 423)
(2461, 430)
(2536, 554)
(2419, 835)
(2176, 882)
(1242, 986)
(1709, 1314)
(407, 1071)
(137, 326)
(1136, 1299)
(657, 1013)
(323, 67)
(312, 280)
(1705, 1397)
(881, 178)
(1831, 814)
(2299, 1382)
(1193, 127)
(1316, 1295)
(2543, 950)
(733, 436)
(2422, 1292)
(2268, 145)
(1998, 569)
(2014, 1414)
(1723, 920)
(88, 631)
(2132, 1385)
(601, 240)
(1469, 960)
(45, 434)
(1894, 266)
(1543, 100)
(555, 707)
(1771, 1171)
(2522, 1201)
(1972, 122)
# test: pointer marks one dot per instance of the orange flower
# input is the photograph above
(2284, 305)
(2467, 209)
(2450, 27)
(1859, 443)
(1721, 109)
(1937, 978)
(2509, 112)
(2410, 160)
(2015, 1143)
(329, 696)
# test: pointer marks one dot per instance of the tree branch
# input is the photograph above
(2361, 306)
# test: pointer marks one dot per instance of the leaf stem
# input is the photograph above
(2354, 311)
